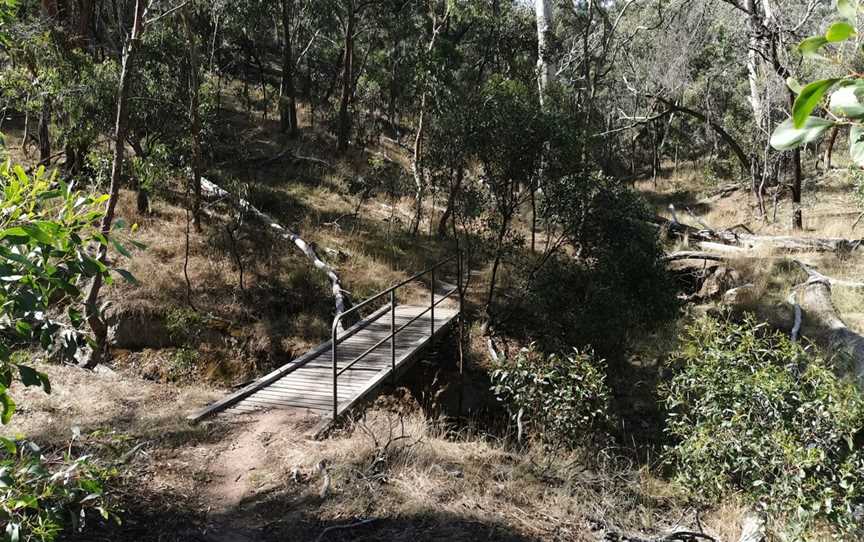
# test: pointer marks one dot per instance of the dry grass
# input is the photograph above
(416, 478)
(102, 400)
(829, 207)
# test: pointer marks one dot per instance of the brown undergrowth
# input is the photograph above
(407, 477)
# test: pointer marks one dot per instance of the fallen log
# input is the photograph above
(212, 191)
(746, 241)
(790, 244)
(821, 322)
(832, 281)
(693, 255)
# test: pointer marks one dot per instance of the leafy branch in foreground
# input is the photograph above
(845, 95)
(40, 496)
(47, 235)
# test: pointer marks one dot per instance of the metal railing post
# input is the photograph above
(432, 303)
(335, 373)
(393, 333)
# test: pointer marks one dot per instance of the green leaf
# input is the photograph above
(8, 444)
(787, 137)
(847, 9)
(7, 408)
(120, 248)
(127, 275)
(38, 233)
(848, 100)
(810, 46)
(793, 85)
(839, 31)
(23, 328)
(16, 235)
(75, 317)
(49, 194)
(808, 99)
(856, 144)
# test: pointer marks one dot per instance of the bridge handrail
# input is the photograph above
(391, 291)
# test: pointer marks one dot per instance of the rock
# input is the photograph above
(136, 330)
(741, 296)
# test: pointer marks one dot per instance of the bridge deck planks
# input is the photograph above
(309, 384)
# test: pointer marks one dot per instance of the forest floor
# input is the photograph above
(830, 208)
(396, 473)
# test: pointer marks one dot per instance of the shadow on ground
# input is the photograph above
(272, 518)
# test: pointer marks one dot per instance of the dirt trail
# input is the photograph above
(247, 464)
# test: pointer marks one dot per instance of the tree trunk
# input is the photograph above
(829, 150)
(797, 219)
(417, 168)
(822, 322)
(84, 37)
(451, 203)
(344, 127)
(195, 118)
(499, 245)
(121, 125)
(287, 98)
(717, 128)
(44, 134)
(545, 65)
(755, 99)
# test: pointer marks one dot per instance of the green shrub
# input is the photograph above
(48, 242)
(184, 325)
(558, 398)
(751, 411)
(182, 364)
(615, 287)
(41, 497)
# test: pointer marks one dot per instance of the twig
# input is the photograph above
(312, 159)
(688, 536)
(340, 527)
(167, 13)
(857, 220)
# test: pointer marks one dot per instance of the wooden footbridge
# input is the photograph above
(351, 366)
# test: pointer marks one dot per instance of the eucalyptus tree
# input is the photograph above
(771, 28)
(507, 141)
(144, 14)
(300, 26)
(355, 18)
(438, 16)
